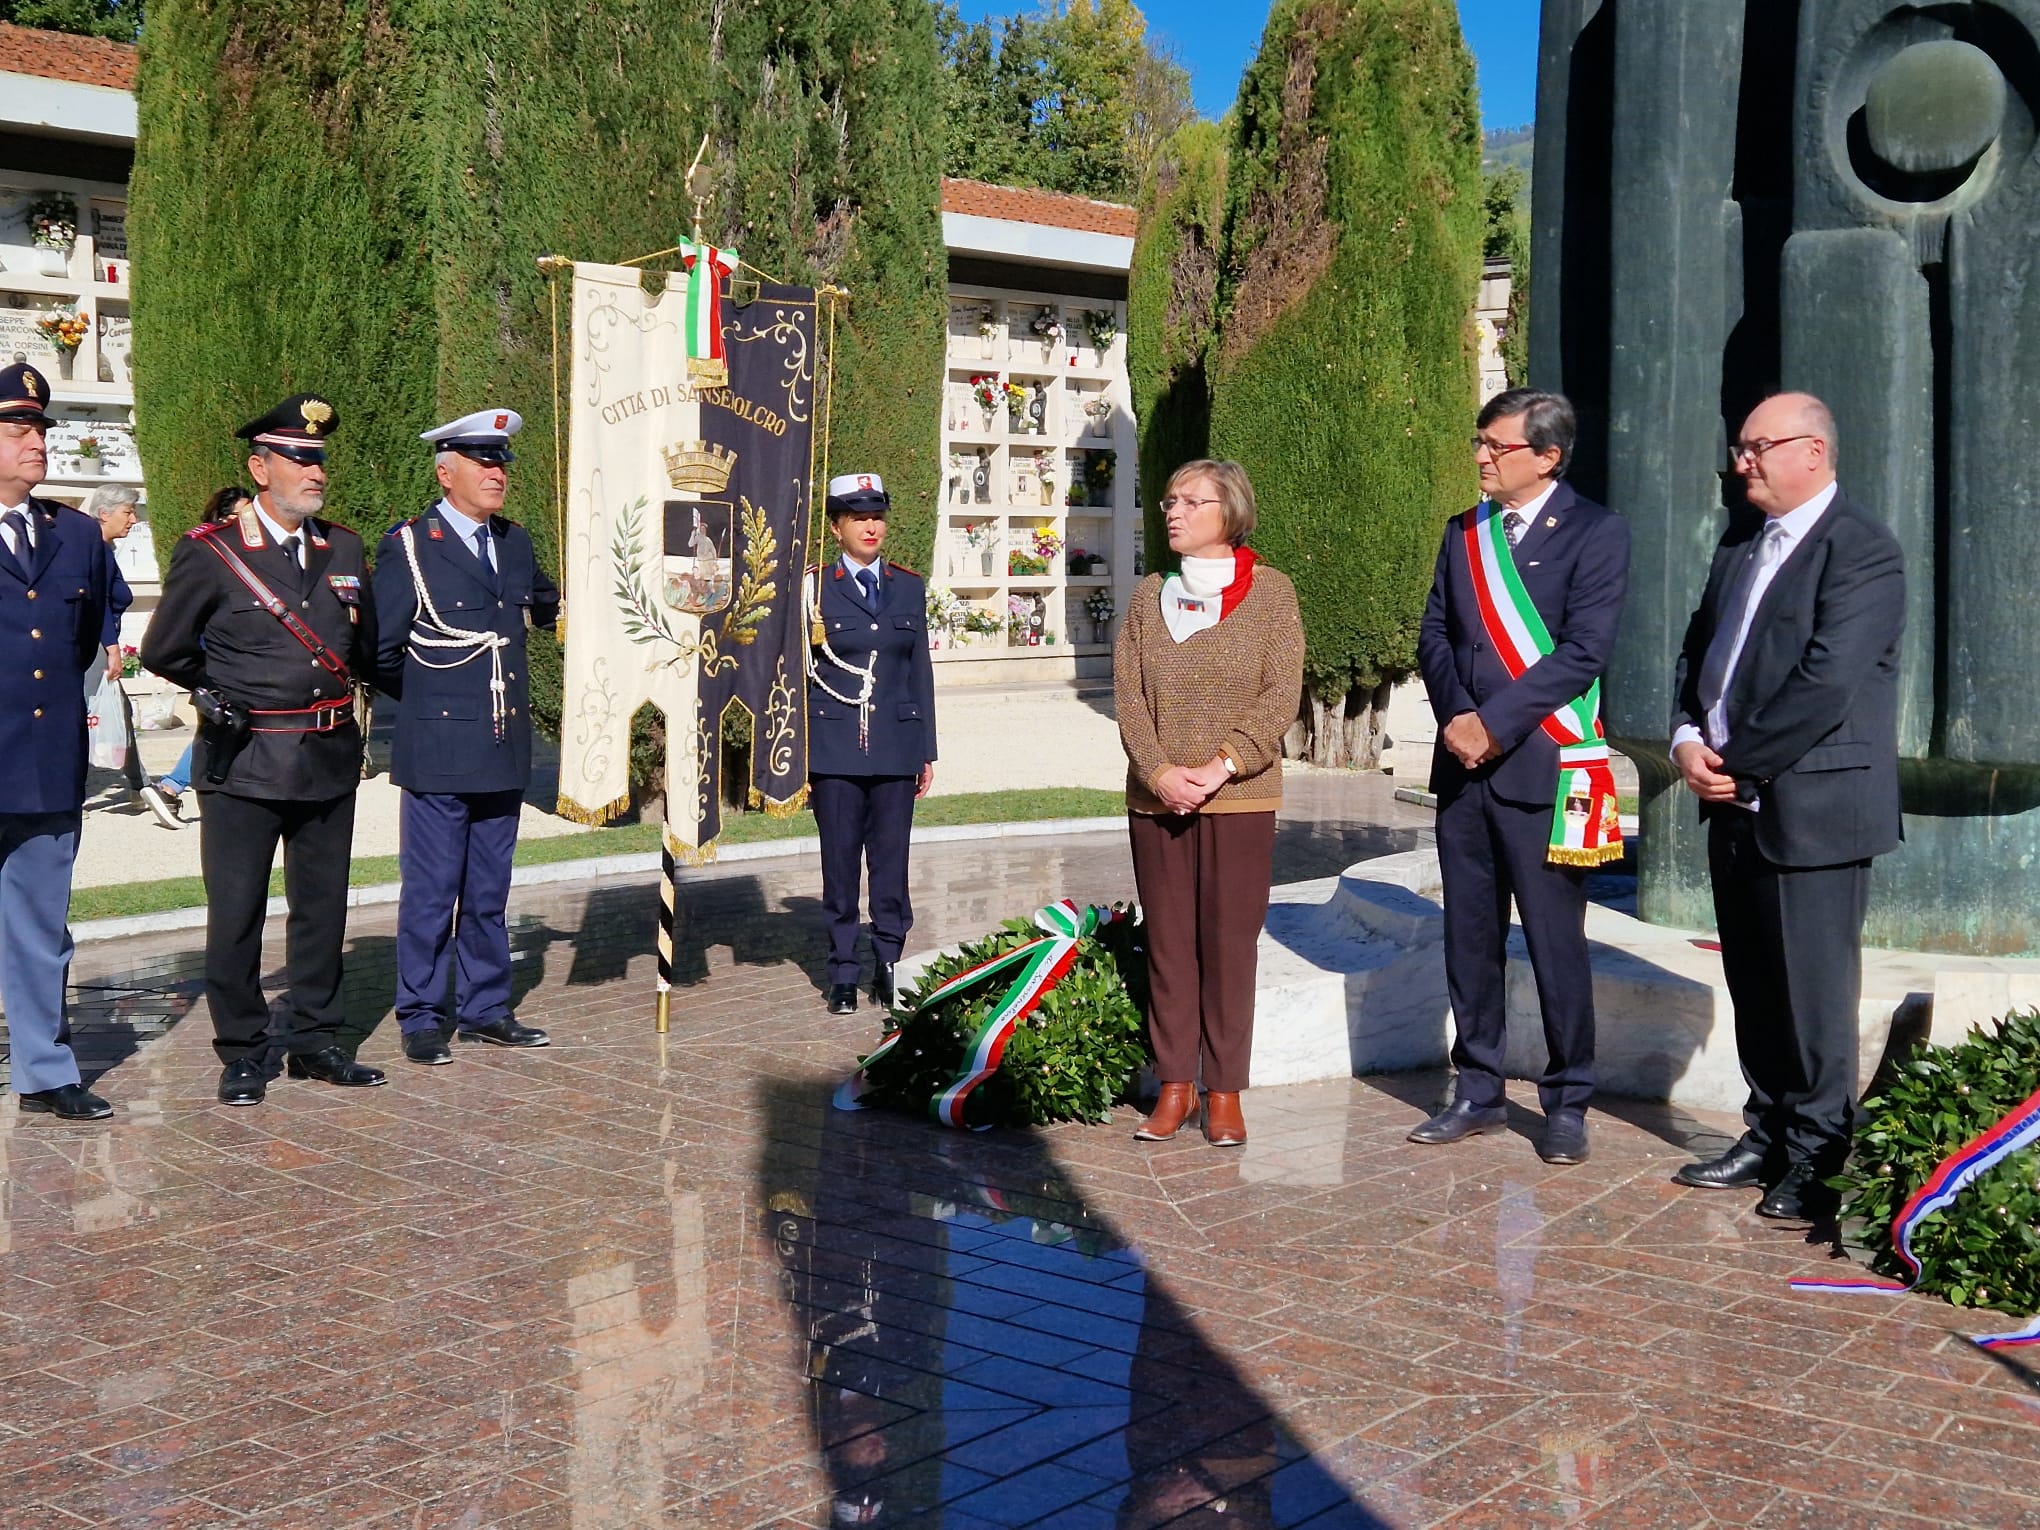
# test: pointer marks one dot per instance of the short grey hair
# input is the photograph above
(109, 497)
(1548, 420)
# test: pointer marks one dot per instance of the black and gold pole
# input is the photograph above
(669, 898)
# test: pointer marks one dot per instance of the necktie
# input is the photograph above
(482, 549)
(293, 549)
(1512, 527)
(868, 582)
(1721, 648)
(16, 523)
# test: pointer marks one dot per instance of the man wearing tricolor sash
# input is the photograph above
(1516, 636)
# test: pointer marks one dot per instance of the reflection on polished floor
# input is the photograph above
(616, 1284)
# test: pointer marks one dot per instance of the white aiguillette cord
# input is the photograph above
(427, 616)
(867, 674)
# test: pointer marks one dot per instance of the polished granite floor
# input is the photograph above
(624, 1283)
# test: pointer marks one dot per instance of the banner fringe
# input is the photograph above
(595, 817)
(773, 808)
(688, 855)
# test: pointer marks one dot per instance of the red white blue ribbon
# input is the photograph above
(1041, 965)
(1953, 1175)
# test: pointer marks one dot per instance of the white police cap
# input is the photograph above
(857, 491)
(484, 435)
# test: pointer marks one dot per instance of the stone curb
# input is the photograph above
(606, 868)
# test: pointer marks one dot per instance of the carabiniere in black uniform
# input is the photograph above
(268, 624)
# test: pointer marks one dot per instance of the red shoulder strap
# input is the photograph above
(314, 645)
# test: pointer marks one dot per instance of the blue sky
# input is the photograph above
(1215, 42)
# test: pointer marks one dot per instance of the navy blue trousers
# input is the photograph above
(1490, 851)
(454, 856)
(864, 821)
(37, 851)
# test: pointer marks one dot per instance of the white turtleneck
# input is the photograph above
(1193, 599)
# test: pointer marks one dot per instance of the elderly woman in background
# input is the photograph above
(1207, 678)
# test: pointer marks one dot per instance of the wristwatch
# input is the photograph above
(1232, 766)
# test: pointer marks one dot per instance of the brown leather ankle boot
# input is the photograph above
(1178, 1102)
(1224, 1126)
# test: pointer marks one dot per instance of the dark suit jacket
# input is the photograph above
(902, 732)
(52, 635)
(1577, 575)
(209, 630)
(446, 731)
(1812, 707)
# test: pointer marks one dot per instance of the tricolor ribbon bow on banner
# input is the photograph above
(1950, 1178)
(1035, 967)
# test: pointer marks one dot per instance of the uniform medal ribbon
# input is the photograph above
(1036, 967)
(1953, 1175)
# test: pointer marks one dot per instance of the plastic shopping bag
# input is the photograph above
(105, 720)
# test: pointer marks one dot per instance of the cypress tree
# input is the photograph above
(1343, 379)
(1172, 313)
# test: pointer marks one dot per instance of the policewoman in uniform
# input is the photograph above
(54, 628)
(265, 618)
(871, 731)
(455, 588)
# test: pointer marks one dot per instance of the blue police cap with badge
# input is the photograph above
(861, 492)
(297, 428)
(23, 393)
(483, 436)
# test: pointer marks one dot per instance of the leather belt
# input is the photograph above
(323, 718)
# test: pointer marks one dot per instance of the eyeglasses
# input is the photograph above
(1186, 502)
(1497, 449)
(1737, 450)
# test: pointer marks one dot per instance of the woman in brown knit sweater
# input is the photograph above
(1207, 677)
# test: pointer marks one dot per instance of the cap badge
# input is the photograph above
(316, 413)
(502, 420)
(863, 480)
(28, 382)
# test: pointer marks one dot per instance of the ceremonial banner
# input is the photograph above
(687, 516)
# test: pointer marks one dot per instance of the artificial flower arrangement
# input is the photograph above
(945, 609)
(986, 390)
(65, 327)
(88, 447)
(1102, 327)
(978, 535)
(53, 221)
(1098, 606)
(1046, 543)
(1016, 398)
(1079, 561)
(1048, 325)
(1019, 616)
(981, 621)
(988, 324)
(1099, 408)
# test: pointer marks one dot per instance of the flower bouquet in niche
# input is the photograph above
(1103, 328)
(945, 614)
(1098, 606)
(988, 331)
(90, 453)
(65, 328)
(1096, 413)
(1016, 406)
(1048, 329)
(988, 392)
(53, 221)
(981, 622)
(1098, 473)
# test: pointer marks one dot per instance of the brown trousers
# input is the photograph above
(1203, 884)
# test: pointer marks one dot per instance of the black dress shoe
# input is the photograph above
(243, 1083)
(67, 1102)
(428, 1046)
(1459, 1120)
(842, 998)
(330, 1065)
(883, 989)
(1738, 1169)
(506, 1032)
(1800, 1197)
(1565, 1137)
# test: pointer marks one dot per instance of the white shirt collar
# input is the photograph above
(470, 529)
(1794, 524)
(853, 568)
(276, 533)
(1531, 511)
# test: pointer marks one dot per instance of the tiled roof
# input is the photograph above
(60, 56)
(1016, 205)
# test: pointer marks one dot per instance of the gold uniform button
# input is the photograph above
(31, 594)
(38, 711)
(35, 632)
(38, 674)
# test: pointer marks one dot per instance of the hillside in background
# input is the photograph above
(1504, 148)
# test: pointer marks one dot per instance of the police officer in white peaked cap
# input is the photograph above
(871, 731)
(456, 587)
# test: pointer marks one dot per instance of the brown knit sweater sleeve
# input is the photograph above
(1255, 741)
(1137, 734)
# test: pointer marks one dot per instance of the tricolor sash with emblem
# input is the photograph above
(1586, 827)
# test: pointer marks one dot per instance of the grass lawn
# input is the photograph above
(633, 839)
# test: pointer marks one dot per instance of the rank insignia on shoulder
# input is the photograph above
(251, 526)
(433, 529)
(317, 540)
(902, 568)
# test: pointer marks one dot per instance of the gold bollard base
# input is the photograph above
(665, 1010)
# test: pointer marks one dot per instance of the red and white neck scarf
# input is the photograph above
(1193, 602)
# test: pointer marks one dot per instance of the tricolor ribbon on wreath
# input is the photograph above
(1586, 825)
(1953, 1175)
(1035, 967)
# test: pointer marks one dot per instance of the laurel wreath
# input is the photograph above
(645, 621)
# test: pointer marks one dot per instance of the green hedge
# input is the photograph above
(1172, 313)
(1344, 376)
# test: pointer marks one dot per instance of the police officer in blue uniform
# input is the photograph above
(265, 620)
(871, 731)
(455, 589)
(54, 628)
